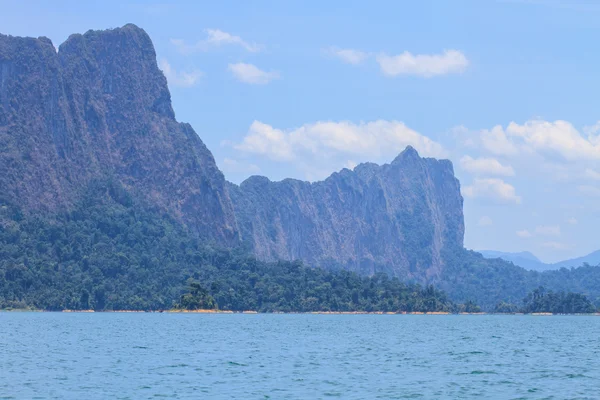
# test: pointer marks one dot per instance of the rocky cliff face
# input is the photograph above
(397, 218)
(98, 108)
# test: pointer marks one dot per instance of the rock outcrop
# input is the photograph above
(397, 218)
(100, 108)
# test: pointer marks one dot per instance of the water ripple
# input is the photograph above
(234, 356)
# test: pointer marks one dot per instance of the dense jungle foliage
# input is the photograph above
(488, 282)
(111, 252)
(541, 300)
(108, 254)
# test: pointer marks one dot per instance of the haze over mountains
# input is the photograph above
(529, 261)
(102, 186)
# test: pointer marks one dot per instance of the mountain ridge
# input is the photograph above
(409, 199)
(96, 169)
(100, 108)
(535, 264)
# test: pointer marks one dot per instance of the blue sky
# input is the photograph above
(505, 89)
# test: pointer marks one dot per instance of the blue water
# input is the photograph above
(197, 356)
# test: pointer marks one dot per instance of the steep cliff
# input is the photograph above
(397, 218)
(100, 108)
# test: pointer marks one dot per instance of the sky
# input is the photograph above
(507, 90)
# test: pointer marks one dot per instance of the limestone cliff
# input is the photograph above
(100, 107)
(398, 217)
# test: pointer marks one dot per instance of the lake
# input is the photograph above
(295, 356)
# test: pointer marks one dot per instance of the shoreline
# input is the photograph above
(174, 311)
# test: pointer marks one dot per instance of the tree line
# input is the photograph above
(109, 253)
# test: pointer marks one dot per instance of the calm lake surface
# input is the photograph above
(198, 356)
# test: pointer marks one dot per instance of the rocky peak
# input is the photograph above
(408, 154)
(100, 108)
(397, 217)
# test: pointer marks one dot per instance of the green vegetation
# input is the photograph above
(110, 254)
(198, 298)
(469, 276)
(542, 301)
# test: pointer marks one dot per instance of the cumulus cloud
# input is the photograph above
(249, 73)
(485, 221)
(214, 38)
(548, 230)
(319, 148)
(374, 140)
(349, 56)
(496, 142)
(524, 234)
(572, 221)
(425, 65)
(485, 166)
(593, 132)
(492, 189)
(181, 78)
(554, 139)
(267, 141)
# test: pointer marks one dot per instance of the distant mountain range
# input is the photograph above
(529, 261)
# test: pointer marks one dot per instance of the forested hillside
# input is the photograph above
(111, 253)
(108, 202)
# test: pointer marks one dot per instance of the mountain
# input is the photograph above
(106, 199)
(523, 259)
(528, 261)
(591, 259)
(397, 218)
(99, 108)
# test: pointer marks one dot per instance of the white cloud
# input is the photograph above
(554, 139)
(524, 234)
(572, 221)
(319, 148)
(485, 166)
(267, 141)
(235, 166)
(377, 139)
(592, 174)
(495, 141)
(249, 73)
(548, 230)
(182, 78)
(492, 189)
(588, 190)
(593, 132)
(425, 65)
(214, 38)
(349, 56)
(485, 221)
